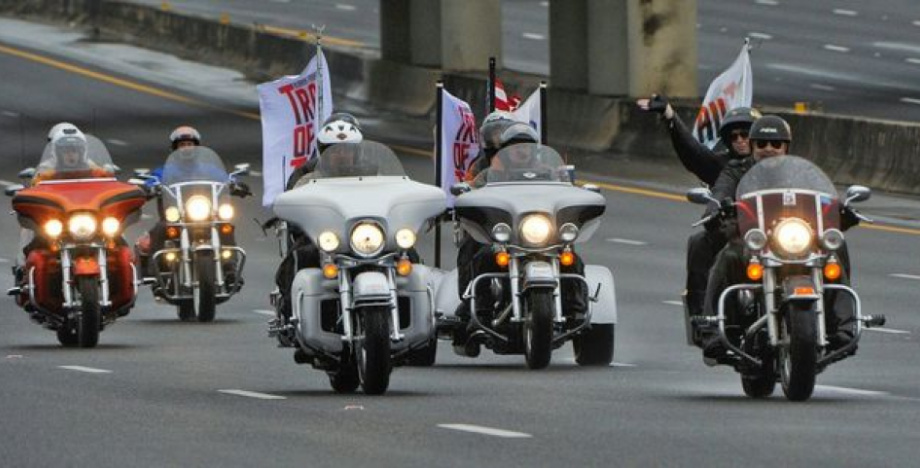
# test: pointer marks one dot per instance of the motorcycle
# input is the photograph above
(78, 275)
(531, 215)
(366, 307)
(788, 215)
(197, 263)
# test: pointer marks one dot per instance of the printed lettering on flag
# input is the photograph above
(292, 114)
(733, 88)
(459, 141)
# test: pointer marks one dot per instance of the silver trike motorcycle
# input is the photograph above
(366, 307)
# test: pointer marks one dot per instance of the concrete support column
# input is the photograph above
(395, 37)
(568, 46)
(471, 32)
(608, 50)
(425, 23)
(662, 47)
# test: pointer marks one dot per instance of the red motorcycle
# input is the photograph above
(77, 275)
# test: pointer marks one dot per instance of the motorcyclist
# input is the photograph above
(70, 158)
(770, 137)
(489, 133)
(474, 259)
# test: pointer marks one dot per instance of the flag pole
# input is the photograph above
(318, 30)
(438, 162)
(544, 118)
(491, 104)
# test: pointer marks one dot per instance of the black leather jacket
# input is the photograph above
(703, 162)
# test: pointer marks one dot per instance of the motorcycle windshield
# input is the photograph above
(525, 162)
(194, 164)
(75, 159)
(365, 159)
(786, 186)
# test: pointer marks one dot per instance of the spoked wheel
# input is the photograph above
(373, 350)
(759, 383)
(345, 379)
(538, 328)
(205, 292)
(798, 359)
(89, 322)
(594, 347)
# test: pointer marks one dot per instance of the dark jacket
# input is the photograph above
(703, 162)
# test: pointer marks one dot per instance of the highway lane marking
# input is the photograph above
(916, 23)
(915, 61)
(759, 35)
(622, 364)
(10, 114)
(544, 4)
(88, 370)
(673, 303)
(891, 331)
(534, 36)
(305, 36)
(910, 100)
(6, 182)
(4, 260)
(767, 2)
(346, 7)
(270, 313)
(485, 430)
(248, 394)
(117, 142)
(617, 240)
(822, 87)
(842, 12)
(836, 48)
(852, 391)
(904, 276)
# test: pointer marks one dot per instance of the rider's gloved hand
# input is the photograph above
(848, 217)
(658, 104)
(241, 189)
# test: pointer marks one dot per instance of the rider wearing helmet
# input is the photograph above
(70, 159)
(59, 127)
(517, 132)
(184, 136)
(489, 134)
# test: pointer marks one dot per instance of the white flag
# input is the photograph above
(529, 112)
(733, 88)
(459, 141)
(292, 114)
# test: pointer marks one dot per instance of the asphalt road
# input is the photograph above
(839, 56)
(154, 393)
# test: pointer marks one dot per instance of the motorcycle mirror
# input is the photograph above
(138, 182)
(142, 172)
(591, 188)
(241, 169)
(700, 196)
(27, 173)
(857, 193)
(459, 189)
(12, 189)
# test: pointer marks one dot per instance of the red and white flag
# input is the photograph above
(502, 101)
(459, 141)
(293, 109)
(733, 88)
(529, 112)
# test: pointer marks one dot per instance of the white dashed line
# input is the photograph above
(842, 12)
(822, 87)
(917, 23)
(673, 303)
(4, 260)
(248, 394)
(902, 275)
(346, 7)
(617, 240)
(6, 182)
(89, 370)
(270, 313)
(485, 430)
(760, 35)
(851, 391)
(117, 142)
(534, 36)
(544, 4)
(11, 114)
(915, 61)
(767, 2)
(723, 30)
(621, 364)
(890, 331)
(910, 100)
(836, 48)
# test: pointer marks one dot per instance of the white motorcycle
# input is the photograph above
(366, 307)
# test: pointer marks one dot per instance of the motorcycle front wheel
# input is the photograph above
(798, 360)
(89, 323)
(373, 350)
(207, 302)
(538, 328)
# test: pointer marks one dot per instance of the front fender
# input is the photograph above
(86, 266)
(800, 288)
(370, 286)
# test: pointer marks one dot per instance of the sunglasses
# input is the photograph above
(775, 144)
(738, 135)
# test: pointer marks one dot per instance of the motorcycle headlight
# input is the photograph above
(367, 238)
(54, 228)
(832, 239)
(225, 211)
(198, 208)
(568, 232)
(110, 226)
(755, 239)
(172, 214)
(82, 226)
(328, 241)
(501, 232)
(536, 229)
(793, 236)
(405, 238)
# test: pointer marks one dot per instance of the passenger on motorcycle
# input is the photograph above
(770, 137)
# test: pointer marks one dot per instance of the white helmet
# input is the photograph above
(60, 126)
(69, 141)
(184, 133)
(339, 128)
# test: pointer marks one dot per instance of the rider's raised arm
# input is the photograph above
(695, 156)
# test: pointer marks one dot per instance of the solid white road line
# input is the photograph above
(617, 240)
(270, 313)
(244, 393)
(89, 370)
(904, 276)
(910, 100)
(842, 12)
(836, 48)
(888, 330)
(675, 303)
(485, 430)
(759, 35)
(534, 36)
(851, 391)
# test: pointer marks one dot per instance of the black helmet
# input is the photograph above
(771, 128)
(739, 117)
(518, 133)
